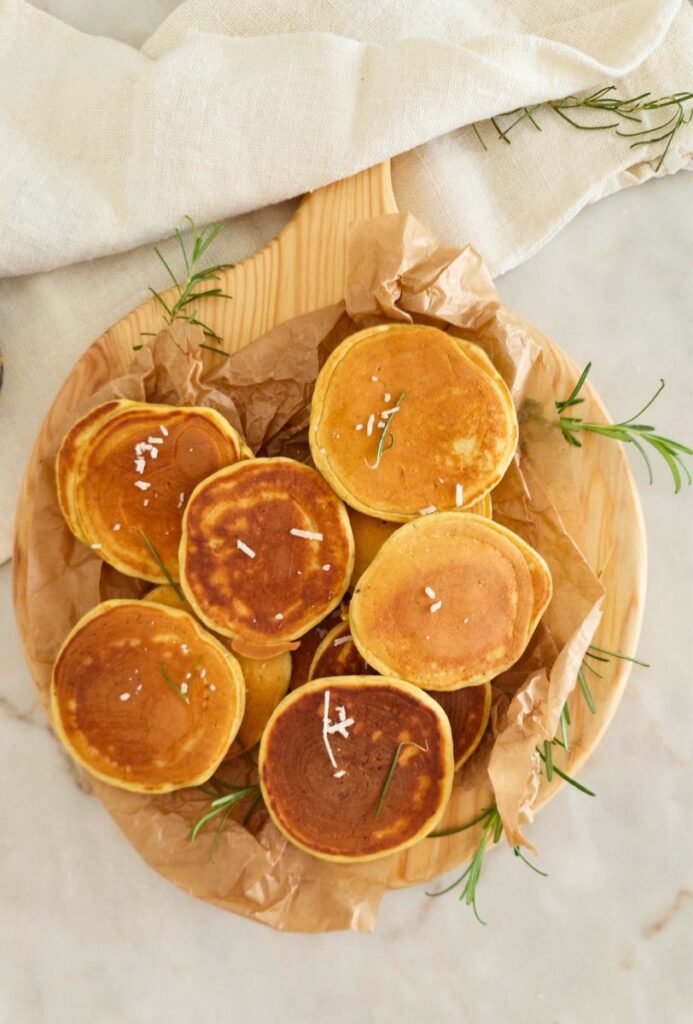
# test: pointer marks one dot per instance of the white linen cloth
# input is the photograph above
(231, 108)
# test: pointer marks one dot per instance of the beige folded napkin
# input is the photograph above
(230, 108)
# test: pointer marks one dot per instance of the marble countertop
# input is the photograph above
(90, 933)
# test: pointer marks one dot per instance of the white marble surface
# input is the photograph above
(90, 934)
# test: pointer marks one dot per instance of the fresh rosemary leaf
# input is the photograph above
(382, 448)
(628, 432)
(461, 828)
(391, 772)
(222, 805)
(182, 308)
(157, 558)
(173, 686)
(621, 110)
(615, 654)
(566, 778)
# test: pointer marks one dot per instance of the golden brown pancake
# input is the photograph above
(145, 698)
(125, 472)
(444, 445)
(447, 602)
(302, 657)
(266, 553)
(337, 655)
(370, 534)
(323, 788)
(266, 680)
(468, 711)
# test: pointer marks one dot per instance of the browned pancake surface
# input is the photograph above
(468, 712)
(338, 655)
(118, 494)
(335, 816)
(243, 570)
(144, 698)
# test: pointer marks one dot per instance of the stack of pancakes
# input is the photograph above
(376, 587)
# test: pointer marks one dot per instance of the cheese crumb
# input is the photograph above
(140, 463)
(145, 502)
(437, 606)
(203, 673)
(245, 549)
(181, 499)
(339, 774)
(212, 687)
(374, 379)
(155, 440)
(430, 592)
(95, 546)
(185, 649)
(465, 621)
(341, 640)
(459, 495)
(381, 424)
(183, 688)
(306, 534)
(279, 616)
(371, 421)
(427, 511)
(125, 696)
(116, 527)
(163, 430)
(388, 396)
(142, 484)
(326, 568)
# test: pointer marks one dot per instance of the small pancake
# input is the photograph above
(468, 711)
(337, 655)
(445, 444)
(323, 789)
(370, 534)
(302, 657)
(447, 602)
(266, 680)
(267, 551)
(125, 471)
(145, 698)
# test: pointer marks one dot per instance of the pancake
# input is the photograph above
(448, 601)
(144, 698)
(468, 712)
(125, 471)
(302, 657)
(266, 680)
(467, 709)
(444, 445)
(266, 553)
(323, 790)
(370, 534)
(337, 655)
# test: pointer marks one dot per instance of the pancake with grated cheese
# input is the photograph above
(266, 680)
(267, 551)
(467, 709)
(370, 534)
(448, 601)
(125, 472)
(144, 698)
(404, 421)
(353, 768)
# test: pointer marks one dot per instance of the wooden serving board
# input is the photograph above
(303, 269)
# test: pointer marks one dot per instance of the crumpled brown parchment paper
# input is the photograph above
(396, 270)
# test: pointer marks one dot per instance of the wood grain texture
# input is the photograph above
(303, 269)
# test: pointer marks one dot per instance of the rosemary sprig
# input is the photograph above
(391, 772)
(157, 558)
(171, 684)
(183, 308)
(627, 431)
(222, 805)
(621, 111)
(491, 832)
(387, 434)
(555, 770)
